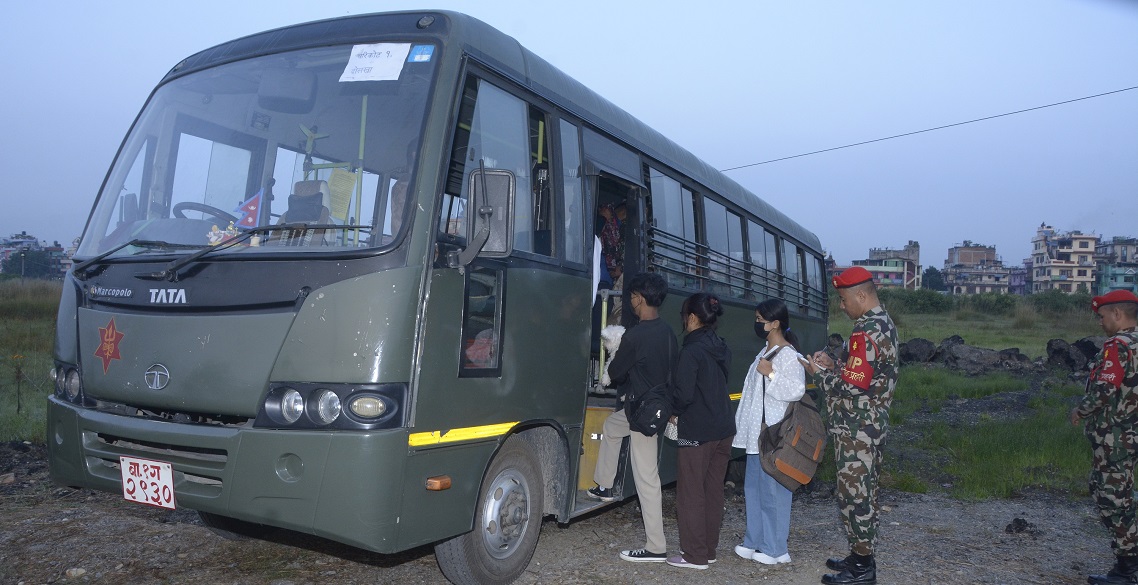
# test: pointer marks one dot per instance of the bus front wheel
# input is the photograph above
(506, 523)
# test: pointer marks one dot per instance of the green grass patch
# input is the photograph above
(928, 388)
(27, 332)
(1002, 458)
(989, 454)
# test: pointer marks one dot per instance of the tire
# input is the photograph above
(506, 523)
(232, 528)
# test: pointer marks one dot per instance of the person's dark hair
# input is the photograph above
(775, 310)
(651, 286)
(705, 306)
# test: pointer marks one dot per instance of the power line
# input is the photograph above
(927, 130)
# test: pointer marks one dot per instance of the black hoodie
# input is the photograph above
(699, 392)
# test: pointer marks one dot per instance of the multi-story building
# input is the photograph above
(893, 268)
(1117, 264)
(1063, 261)
(891, 273)
(975, 268)
(1018, 283)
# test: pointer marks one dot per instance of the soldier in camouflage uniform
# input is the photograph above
(857, 406)
(1110, 410)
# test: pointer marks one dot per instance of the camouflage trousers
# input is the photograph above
(859, 463)
(1112, 487)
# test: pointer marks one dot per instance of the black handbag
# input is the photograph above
(649, 412)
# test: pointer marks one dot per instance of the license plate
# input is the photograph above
(147, 482)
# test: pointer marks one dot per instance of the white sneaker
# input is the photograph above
(747, 553)
(769, 560)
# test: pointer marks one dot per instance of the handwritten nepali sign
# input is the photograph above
(147, 482)
(378, 62)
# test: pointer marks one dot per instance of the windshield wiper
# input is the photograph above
(80, 269)
(171, 270)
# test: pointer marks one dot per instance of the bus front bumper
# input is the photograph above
(342, 485)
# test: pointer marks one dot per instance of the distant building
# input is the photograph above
(975, 268)
(22, 242)
(1018, 283)
(893, 268)
(1063, 261)
(908, 258)
(1117, 265)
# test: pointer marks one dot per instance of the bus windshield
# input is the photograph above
(322, 142)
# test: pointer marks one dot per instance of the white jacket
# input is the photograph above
(786, 384)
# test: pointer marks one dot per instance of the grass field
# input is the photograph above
(27, 322)
(1026, 329)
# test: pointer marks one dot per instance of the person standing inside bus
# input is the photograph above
(647, 353)
(701, 410)
(857, 406)
(773, 382)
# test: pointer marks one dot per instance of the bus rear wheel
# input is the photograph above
(506, 523)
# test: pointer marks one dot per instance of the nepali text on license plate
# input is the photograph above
(147, 482)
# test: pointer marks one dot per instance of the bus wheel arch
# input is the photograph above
(507, 520)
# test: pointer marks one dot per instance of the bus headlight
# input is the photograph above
(367, 406)
(327, 406)
(292, 406)
(72, 385)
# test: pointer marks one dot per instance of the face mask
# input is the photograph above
(760, 330)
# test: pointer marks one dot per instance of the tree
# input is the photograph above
(30, 264)
(932, 279)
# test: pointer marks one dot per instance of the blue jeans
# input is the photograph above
(768, 510)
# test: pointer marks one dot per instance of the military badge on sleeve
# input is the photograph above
(1110, 370)
(857, 370)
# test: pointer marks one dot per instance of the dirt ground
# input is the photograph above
(52, 534)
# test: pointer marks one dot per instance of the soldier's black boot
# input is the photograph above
(837, 564)
(860, 570)
(1124, 572)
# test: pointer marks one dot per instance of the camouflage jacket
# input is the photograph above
(858, 396)
(1110, 404)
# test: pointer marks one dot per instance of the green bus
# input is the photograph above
(339, 279)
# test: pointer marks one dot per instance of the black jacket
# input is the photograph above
(646, 355)
(699, 391)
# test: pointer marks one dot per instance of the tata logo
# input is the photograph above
(168, 296)
(156, 377)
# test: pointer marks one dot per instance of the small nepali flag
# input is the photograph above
(250, 211)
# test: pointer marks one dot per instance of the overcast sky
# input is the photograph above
(736, 83)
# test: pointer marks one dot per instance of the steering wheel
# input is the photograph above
(180, 211)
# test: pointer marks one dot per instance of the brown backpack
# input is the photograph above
(791, 449)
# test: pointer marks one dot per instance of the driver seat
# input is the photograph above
(308, 203)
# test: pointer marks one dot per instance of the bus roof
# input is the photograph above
(507, 56)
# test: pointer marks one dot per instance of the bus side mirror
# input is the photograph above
(492, 203)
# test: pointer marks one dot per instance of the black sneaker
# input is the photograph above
(643, 556)
(600, 493)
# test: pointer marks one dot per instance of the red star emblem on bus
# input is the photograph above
(109, 338)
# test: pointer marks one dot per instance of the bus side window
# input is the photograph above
(482, 322)
(491, 132)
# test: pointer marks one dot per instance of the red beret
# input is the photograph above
(1112, 297)
(852, 277)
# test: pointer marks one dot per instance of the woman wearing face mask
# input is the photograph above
(776, 379)
(702, 405)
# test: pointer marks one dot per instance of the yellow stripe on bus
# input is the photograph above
(455, 435)
(739, 395)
